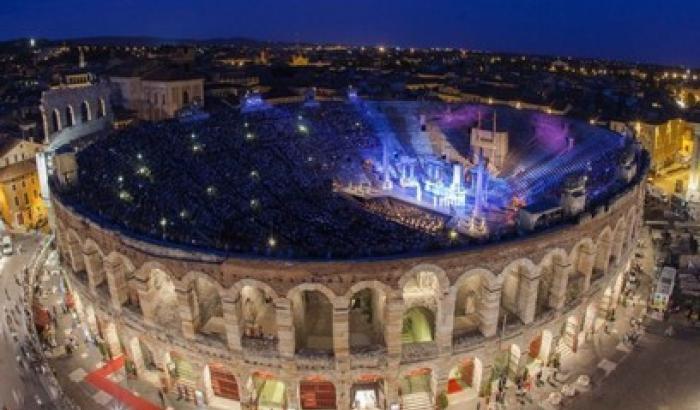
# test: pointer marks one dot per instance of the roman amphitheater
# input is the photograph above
(348, 255)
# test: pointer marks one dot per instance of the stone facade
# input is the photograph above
(516, 302)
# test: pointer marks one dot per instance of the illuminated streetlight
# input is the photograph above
(271, 242)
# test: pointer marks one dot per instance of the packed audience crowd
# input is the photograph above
(259, 182)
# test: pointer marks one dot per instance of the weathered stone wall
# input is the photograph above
(595, 252)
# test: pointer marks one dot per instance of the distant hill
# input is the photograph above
(157, 41)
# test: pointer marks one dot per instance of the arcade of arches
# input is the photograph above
(253, 347)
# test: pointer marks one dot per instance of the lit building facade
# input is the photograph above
(21, 205)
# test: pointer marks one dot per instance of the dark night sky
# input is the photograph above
(666, 31)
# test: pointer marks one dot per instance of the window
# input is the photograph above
(16, 201)
(23, 156)
(24, 185)
(26, 199)
(14, 187)
(35, 194)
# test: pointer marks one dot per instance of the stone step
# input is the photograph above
(416, 401)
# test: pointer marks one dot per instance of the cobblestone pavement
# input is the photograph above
(21, 387)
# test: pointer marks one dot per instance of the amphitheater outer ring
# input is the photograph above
(82, 243)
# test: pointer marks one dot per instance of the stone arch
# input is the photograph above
(158, 298)
(250, 311)
(70, 116)
(75, 251)
(221, 383)
(519, 292)
(312, 307)
(619, 237)
(204, 299)
(56, 123)
(109, 336)
(602, 253)
(266, 390)
(119, 270)
(419, 325)
(101, 108)
(582, 257)
(418, 386)
(94, 266)
(367, 302)
(631, 237)
(443, 282)
(85, 114)
(540, 349)
(554, 281)
(317, 392)
(569, 339)
(464, 382)
(477, 295)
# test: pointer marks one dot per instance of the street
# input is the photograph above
(20, 387)
(661, 374)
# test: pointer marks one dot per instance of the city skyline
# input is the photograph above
(652, 32)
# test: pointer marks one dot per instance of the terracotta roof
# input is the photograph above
(16, 170)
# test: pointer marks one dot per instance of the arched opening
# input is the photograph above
(183, 376)
(267, 393)
(221, 386)
(582, 260)
(605, 305)
(207, 309)
(94, 267)
(421, 294)
(55, 120)
(108, 340)
(590, 321)
(618, 243)
(539, 352)
(85, 114)
(464, 383)
(160, 304)
(516, 304)
(101, 108)
(418, 326)
(119, 270)
(367, 392)
(366, 320)
(70, 116)
(316, 393)
(603, 255)
(258, 322)
(416, 389)
(569, 335)
(185, 98)
(468, 310)
(77, 260)
(546, 299)
(313, 322)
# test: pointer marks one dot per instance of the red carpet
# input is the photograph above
(99, 379)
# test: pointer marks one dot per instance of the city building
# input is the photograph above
(21, 205)
(159, 94)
